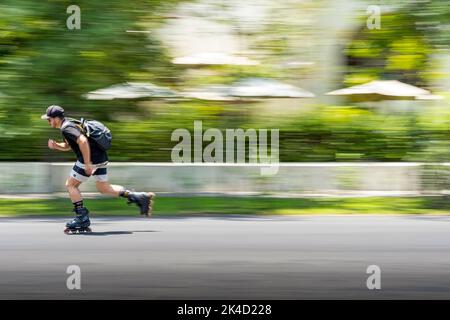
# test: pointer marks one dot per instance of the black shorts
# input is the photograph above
(100, 172)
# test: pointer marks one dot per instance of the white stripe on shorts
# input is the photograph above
(96, 166)
(80, 177)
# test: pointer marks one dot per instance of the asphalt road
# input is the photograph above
(287, 257)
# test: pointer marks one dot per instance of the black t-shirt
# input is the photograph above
(71, 132)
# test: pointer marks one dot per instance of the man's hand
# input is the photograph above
(89, 169)
(51, 144)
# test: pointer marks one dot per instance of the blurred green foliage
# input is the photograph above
(411, 32)
(327, 133)
(43, 63)
(168, 206)
(396, 51)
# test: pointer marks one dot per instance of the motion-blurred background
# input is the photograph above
(148, 67)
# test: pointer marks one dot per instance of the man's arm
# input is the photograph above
(63, 146)
(83, 143)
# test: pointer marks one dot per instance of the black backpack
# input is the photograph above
(94, 130)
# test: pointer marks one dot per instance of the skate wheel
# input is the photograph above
(77, 231)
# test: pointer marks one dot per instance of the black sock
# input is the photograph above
(78, 205)
(124, 193)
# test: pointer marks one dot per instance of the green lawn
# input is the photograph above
(233, 205)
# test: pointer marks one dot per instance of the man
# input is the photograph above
(91, 161)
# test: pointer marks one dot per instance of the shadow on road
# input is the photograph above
(114, 233)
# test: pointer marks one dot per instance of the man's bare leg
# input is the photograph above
(109, 189)
(81, 220)
(143, 199)
(72, 187)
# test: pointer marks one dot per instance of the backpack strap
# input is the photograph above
(78, 123)
(65, 124)
(85, 127)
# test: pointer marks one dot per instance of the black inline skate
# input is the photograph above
(80, 224)
(144, 201)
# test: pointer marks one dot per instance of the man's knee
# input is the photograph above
(72, 184)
